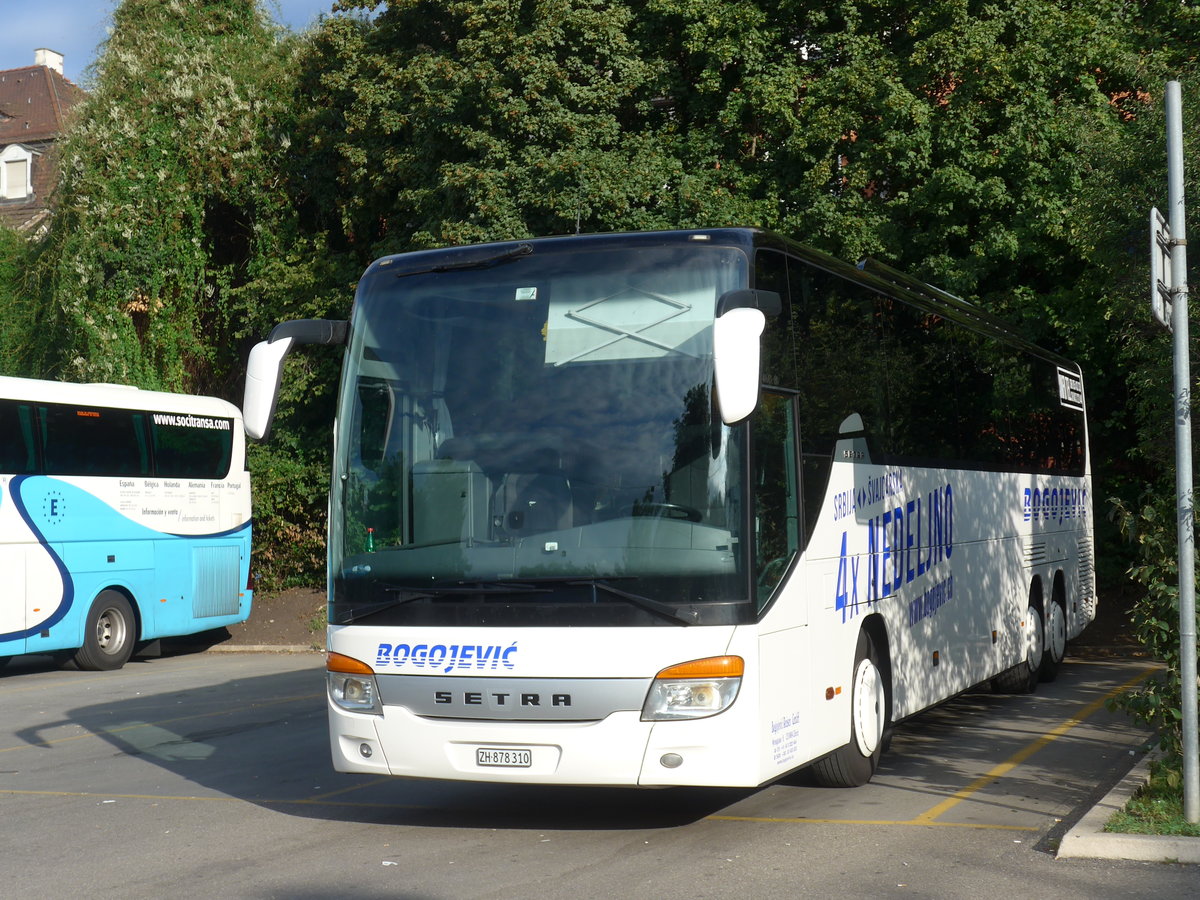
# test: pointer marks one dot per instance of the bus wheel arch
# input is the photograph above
(110, 631)
(853, 764)
(1054, 623)
(1023, 677)
(876, 630)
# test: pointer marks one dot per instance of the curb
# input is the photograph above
(261, 648)
(1088, 839)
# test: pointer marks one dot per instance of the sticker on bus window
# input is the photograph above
(527, 293)
(1070, 389)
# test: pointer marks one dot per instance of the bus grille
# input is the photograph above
(215, 590)
(1087, 578)
(1087, 575)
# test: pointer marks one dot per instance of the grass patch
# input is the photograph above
(1157, 807)
(317, 624)
(319, 619)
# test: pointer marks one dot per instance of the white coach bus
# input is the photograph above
(681, 508)
(124, 517)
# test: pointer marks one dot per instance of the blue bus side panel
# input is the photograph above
(74, 546)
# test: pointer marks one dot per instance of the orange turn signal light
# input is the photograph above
(712, 667)
(336, 662)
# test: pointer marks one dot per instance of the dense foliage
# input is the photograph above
(224, 176)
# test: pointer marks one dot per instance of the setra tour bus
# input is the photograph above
(124, 518)
(681, 508)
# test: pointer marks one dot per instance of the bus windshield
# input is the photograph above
(530, 437)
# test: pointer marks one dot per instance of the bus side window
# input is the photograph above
(93, 441)
(17, 456)
(373, 413)
(776, 491)
(840, 369)
(191, 449)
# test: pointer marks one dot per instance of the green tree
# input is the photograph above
(945, 138)
(452, 121)
(178, 242)
(20, 312)
(170, 196)
(1129, 177)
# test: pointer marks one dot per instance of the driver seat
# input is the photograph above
(532, 503)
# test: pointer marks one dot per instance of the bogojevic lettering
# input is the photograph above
(1054, 504)
(446, 657)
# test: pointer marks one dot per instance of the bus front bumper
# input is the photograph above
(618, 750)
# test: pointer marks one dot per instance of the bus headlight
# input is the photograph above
(693, 690)
(352, 684)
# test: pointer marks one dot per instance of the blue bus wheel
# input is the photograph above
(109, 634)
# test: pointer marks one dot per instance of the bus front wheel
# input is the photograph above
(109, 634)
(854, 764)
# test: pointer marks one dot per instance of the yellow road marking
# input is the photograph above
(351, 789)
(926, 819)
(805, 821)
(998, 772)
(929, 817)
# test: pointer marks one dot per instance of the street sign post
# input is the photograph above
(1169, 301)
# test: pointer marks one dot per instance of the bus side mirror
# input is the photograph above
(264, 371)
(736, 361)
(264, 368)
(737, 353)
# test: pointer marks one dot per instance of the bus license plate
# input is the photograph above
(510, 757)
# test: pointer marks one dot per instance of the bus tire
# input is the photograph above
(853, 764)
(1056, 634)
(1023, 678)
(109, 634)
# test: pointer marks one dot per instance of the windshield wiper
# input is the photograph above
(481, 262)
(472, 587)
(408, 593)
(665, 610)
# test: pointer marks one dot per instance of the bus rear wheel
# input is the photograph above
(1056, 637)
(854, 764)
(1056, 631)
(1023, 679)
(109, 634)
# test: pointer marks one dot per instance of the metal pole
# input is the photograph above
(1183, 454)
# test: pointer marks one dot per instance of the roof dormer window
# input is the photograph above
(16, 176)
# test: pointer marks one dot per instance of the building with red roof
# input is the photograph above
(35, 104)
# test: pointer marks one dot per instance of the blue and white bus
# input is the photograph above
(124, 517)
(682, 508)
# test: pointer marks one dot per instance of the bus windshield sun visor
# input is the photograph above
(477, 262)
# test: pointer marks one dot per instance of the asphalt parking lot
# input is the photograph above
(209, 774)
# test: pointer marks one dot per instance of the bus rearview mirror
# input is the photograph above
(264, 368)
(264, 371)
(736, 359)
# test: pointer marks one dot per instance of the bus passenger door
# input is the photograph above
(33, 592)
(777, 526)
(13, 599)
